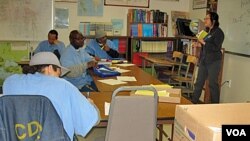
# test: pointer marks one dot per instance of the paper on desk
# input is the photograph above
(161, 86)
(112, 81)
(126, 78)
(151, 93)
(119, 69)
(125, 65)
(106, 108)
(104, 63)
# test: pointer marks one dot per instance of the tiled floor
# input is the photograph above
(100, 132)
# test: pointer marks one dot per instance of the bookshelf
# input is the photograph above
(148, 31)
(152, 46)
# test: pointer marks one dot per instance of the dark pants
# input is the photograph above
(210, 72)
(89, 88)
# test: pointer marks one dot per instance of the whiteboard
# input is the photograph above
(234, 17)
(25, 20)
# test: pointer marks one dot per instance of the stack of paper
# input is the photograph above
(165, 92)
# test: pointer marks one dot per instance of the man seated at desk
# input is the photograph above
(101, 47)
(78, 61)
(41, 77)
(51, 45)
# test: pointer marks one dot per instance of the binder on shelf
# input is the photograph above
(140, 31)
(137, 60)
(147, 30)
(134, 30)
(122, 45)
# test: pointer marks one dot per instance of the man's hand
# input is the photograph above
(92, 64)
(106, 47)
(97, 58)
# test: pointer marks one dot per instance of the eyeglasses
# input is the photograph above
(80, 38)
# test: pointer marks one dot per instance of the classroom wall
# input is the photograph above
(236, 68)
(115, 12)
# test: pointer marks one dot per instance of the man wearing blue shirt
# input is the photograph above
(77, 113)
(51, 45)
(78, 61)
(101, 47)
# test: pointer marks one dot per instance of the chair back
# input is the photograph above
(192, 62)
(132, 118)
(29, 118)
(177, 57)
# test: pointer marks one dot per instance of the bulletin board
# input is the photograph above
(25, 20)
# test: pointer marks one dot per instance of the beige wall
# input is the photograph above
(115, 12)
(236, 68)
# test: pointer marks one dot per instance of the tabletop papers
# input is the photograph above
(106, 108)
(126, 78)
(125, 65)
(112, 81)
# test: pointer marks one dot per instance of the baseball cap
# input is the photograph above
(100, 34)
(44, 58)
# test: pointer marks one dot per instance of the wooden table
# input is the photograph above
(156, 61)
(142, 78)
(166, 111)
(165, 115)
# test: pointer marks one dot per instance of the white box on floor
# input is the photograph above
(202, 122)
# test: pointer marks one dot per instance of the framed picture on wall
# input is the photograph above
(127, 3)
(199, 4)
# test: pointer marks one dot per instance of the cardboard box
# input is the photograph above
(173, 95)
(203, 122)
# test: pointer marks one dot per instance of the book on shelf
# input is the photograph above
(201, 35)
(122, 45)
(134, 30)
(147, 30)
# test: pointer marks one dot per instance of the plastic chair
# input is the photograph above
(29, 118)
(132, 118)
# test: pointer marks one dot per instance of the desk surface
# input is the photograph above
(159, 61)
(166, 111)
(141, 76)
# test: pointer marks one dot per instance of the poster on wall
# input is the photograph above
(90, 8)
(199, 4)
(61, 18)
(212, 5)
